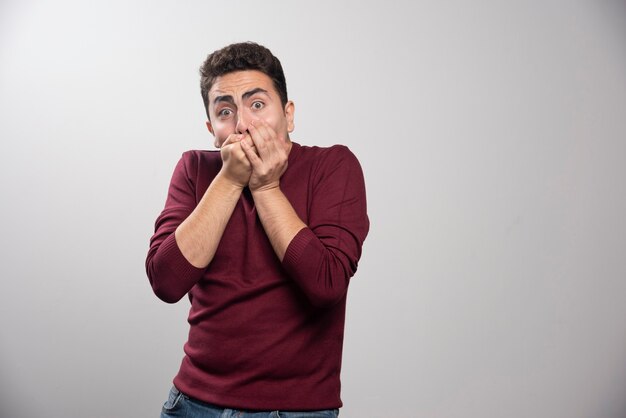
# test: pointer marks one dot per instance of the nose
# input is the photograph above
(242, 122)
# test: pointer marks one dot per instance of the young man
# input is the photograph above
(264, 236)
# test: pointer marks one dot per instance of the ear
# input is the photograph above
(209, 126)
(290, 110)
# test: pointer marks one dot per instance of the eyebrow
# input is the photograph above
(253, 92)
(229, 99)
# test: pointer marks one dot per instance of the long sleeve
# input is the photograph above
(259, 337)
(324, 256)
(170, 274)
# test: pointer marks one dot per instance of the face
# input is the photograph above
(237, 98)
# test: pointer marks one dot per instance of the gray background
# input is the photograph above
(492, 137)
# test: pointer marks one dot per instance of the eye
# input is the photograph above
(257, 105)
(224, 113)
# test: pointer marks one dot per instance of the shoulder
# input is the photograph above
(328, 155)
(326, 164)
(195, 156)
(193, 161)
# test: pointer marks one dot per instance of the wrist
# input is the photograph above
(266, 189)
(229, 181)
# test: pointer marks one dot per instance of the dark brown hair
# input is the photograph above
(240, 57)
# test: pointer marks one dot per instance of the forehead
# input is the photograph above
(237, 83)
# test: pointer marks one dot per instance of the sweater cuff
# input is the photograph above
(175, 261)
(297, 246)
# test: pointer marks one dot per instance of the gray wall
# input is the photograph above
(493, 139)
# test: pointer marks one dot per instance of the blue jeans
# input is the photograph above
(179, 405)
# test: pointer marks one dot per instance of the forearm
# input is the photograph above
(279, 219)
(199, 235)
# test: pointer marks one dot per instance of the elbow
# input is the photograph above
(326, 299)
(330, 289)
(328, 285)
(165, 294)
(162, 287)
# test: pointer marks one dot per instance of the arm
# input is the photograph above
(200, 234)
(187, 235)
(269, 162)
(322, 256)
(279, 219)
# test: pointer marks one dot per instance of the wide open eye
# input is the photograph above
(224, 113)
(258, 105)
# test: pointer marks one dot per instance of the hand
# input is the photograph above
(236, 167)
(269, 159)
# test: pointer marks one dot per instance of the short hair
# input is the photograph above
(240, 57)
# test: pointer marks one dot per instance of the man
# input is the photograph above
(263, 235)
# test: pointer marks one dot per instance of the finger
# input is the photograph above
(250, 152)
(270, 132)
(232, 138)
(259, 136)
(264, 129)
(274, 141)
(248, 140)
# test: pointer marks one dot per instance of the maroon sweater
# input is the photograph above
(266, 335)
